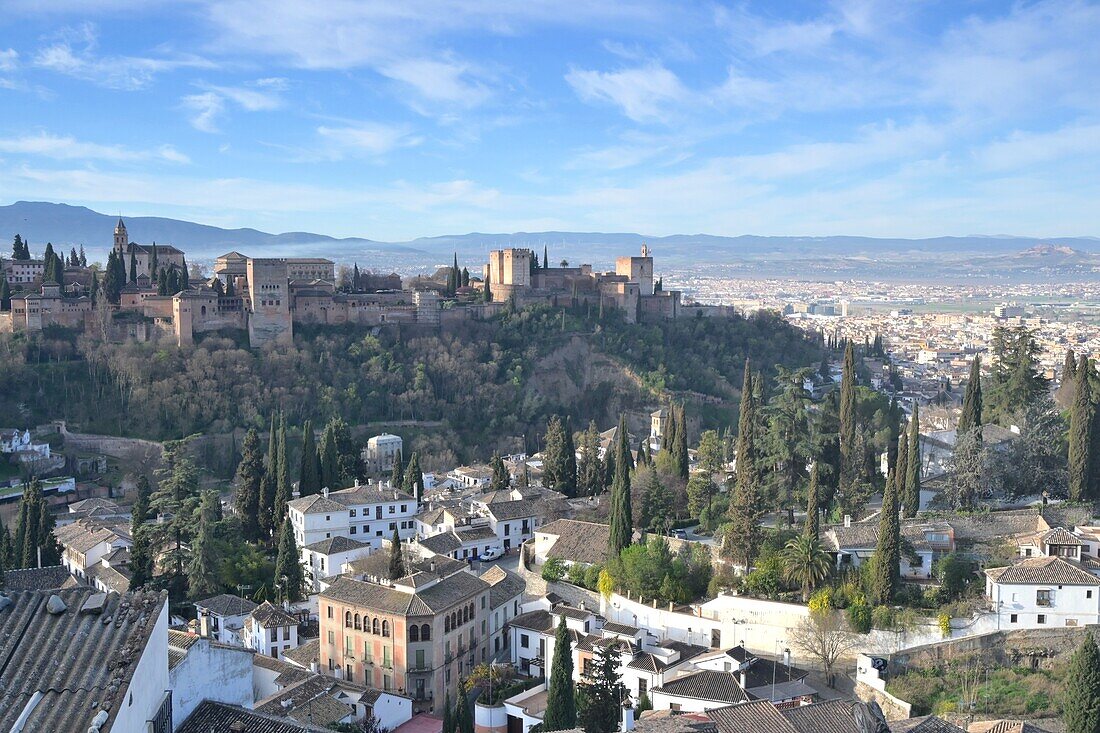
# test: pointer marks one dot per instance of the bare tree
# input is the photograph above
(825, 637)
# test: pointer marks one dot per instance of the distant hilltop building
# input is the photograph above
(515, 275)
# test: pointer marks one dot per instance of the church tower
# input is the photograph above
(121, 238)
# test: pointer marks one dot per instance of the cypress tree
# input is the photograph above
(669, 433)
(971, 416)
(185, 276)
(29, 525)
(545, 258)
(309, 476)
(202, 567)
(812, 527)
(112, 284)
(93, 293)
(141, 557)
(153, 264)
(414, 478)
(622, 514)
(250, 472)
(5, 294)
(162, 282)
(569, 460)
(268, 522)
(1069, 366)
(849, 461)
(742, 540)
(886, 564)
(448, 715)
(643, 454)
(1081, 696)
(283, 490)
(397, 473)
(501, 480)
(397, 559)
(330, 460)
(288, 564)
(1080, 436)
(680, 445)
(21, 529)
(47, 542)
(271, 459)
(911, 497)
(561, 703)
(464, 719)
(900, 471)
(554, 461)
(133, 267)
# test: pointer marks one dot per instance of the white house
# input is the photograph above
(221, 617)
(465, 543)
(506, 590)
(86, 542)
(201, 669)
(270, 630)
(325, 558)
(20, 444)
(853, 543)
(366, 513)
(381, 451)
(1043, 591)
(514, 522)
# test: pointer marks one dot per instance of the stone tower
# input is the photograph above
(121, 238)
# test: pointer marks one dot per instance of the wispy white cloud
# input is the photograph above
(60, 147)
(8, 59)
(74, 53)
(450, 82)
(363, 139)
(206, 107)
(643, 93)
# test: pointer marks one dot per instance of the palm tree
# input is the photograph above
(805, 563)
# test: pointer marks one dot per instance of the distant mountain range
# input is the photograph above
(73, 225)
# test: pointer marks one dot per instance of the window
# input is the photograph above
(331, 637)
(404, 508)
(420, 659)
(387, 682)
(507, 528)
(330, 611)
(1042, 619)
(347, 619)
(393, 526)
(1088, 594)
(425, 632)
(414, 633)
(386, 630)
(273, 634)
(374, 626)
(286, 633)
(357, 623)
(331, 666)
(353, 530)
(643, 686)
(483, 601)
(351, 512)
(524, 641)
(446, 624)
(387, 660)
(1043, 598)
(393, 509)
(349, 646)
(1013, 619)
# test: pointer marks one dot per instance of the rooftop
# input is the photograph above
(1043, 571)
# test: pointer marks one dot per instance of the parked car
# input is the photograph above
(490, 555)
(680, 534)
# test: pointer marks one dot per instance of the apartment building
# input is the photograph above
(367, 513)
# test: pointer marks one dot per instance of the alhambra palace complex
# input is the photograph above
(267, 296)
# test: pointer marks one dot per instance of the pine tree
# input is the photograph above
(202, 567)
(849, 460)
(554, 466)
(622, 513)
(590, 470)
(501, 480)
(397, 473)
(1081, 421)
(911, 497)
(283, 489)
(1081, 695)
(288, 564)
(812, 527)
(309, 476)
(561, 704)
(330, 460)
(176, 497)
(414, 478)
(887, 557)
(17, 248)
(742, 540)
(397, 558)
(250, 472)
(971, 416)
(602, 694)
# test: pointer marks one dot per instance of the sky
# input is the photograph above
(398, 119)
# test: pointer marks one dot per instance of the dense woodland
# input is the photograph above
(479, 382)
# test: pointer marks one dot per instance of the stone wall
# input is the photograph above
(1036, 648)
(894, 708)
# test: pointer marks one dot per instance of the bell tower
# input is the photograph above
(121, 238)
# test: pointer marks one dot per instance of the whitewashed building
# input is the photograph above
(326, 558)
(270, 630)
(367, 513)
(1043, 591)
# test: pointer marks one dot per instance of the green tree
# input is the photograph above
(1015, 376)
(309, 476)
(133, 267)
(805, 563)
(656, 500)
(414, 478)
(849, 455)
(288, 564)
(283, 489)
(1081, 422)
(141, 554)
(397, 558)
(709, 452)
(561, 704)
(812, 527)
(679, 445)
(743, 534)
(887, 558)
(49, 548)
(621, 517)
(911, 497)
(19, 249)
(972, 401)
(448, 715)
(202, 567)
(590, 471)
(501, 479)
(112, 282)
(464, 719)
(5, 294)
(601, 693)
(700, 493)
(555, 465)
(1081, 697)
(176, 498)
(786, 446)
(330, 461)
(397, 473)
(250, 473)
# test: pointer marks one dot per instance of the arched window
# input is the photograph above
(204, 310)
(446, 624)
(385, 628)
(357, 622)
(374, 626)
(425, 633)
(465, 615)
(347, 620)
(414, 633)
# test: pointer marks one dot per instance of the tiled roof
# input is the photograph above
(227, 605)
(1061, 536)
(539, 621)
(687, 651)
(85, 534)
(834, 716)
(751, 717)
(476, 534)
(112, 578)
(316, 504)
(78, 661)
(218, 717)
(339, 543)
(443, 595)
(615, 628)
(1043, 571)
(372, 494)
(267, 615)
(304, 654)
(48, 578)
(518, 509)
(504, 585)
(443, 543)
(377, 564)
(1002, 726)
(706, 684)
(308, 692)
(583, 542)
(926, 724)
(646, 662)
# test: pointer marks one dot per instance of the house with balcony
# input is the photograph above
(923, 542)
(221, 617)
(366, 513)
(1039, 592)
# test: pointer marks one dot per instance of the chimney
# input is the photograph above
(357, 483)
(671, 606)
(313, 667)
(324, 492)
(787, 657)
(847, 517)
(627, 718)
(743, 680)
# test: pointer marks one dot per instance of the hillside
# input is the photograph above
(488, 386)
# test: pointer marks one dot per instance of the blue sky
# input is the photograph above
(393, 120)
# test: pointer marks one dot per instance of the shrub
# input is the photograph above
(883, 618)
(821, 601)
(553, 570)
(944, 620)
(859, 616)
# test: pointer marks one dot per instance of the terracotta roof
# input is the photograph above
(1003, 726)
(504, 585)
(304, 654)
(221, 718)
(339, 543)
(706, 684)
(1043, 571)
(267, 615)
(446, 593)
(834, 716)
(227, 605)
(539, 621)
(615, 628)
(583, 542)
(751, 717)
(924, 724)
(78, 661)
(371, 494)
(518, 509)
(316, 504)
(1061, 536)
